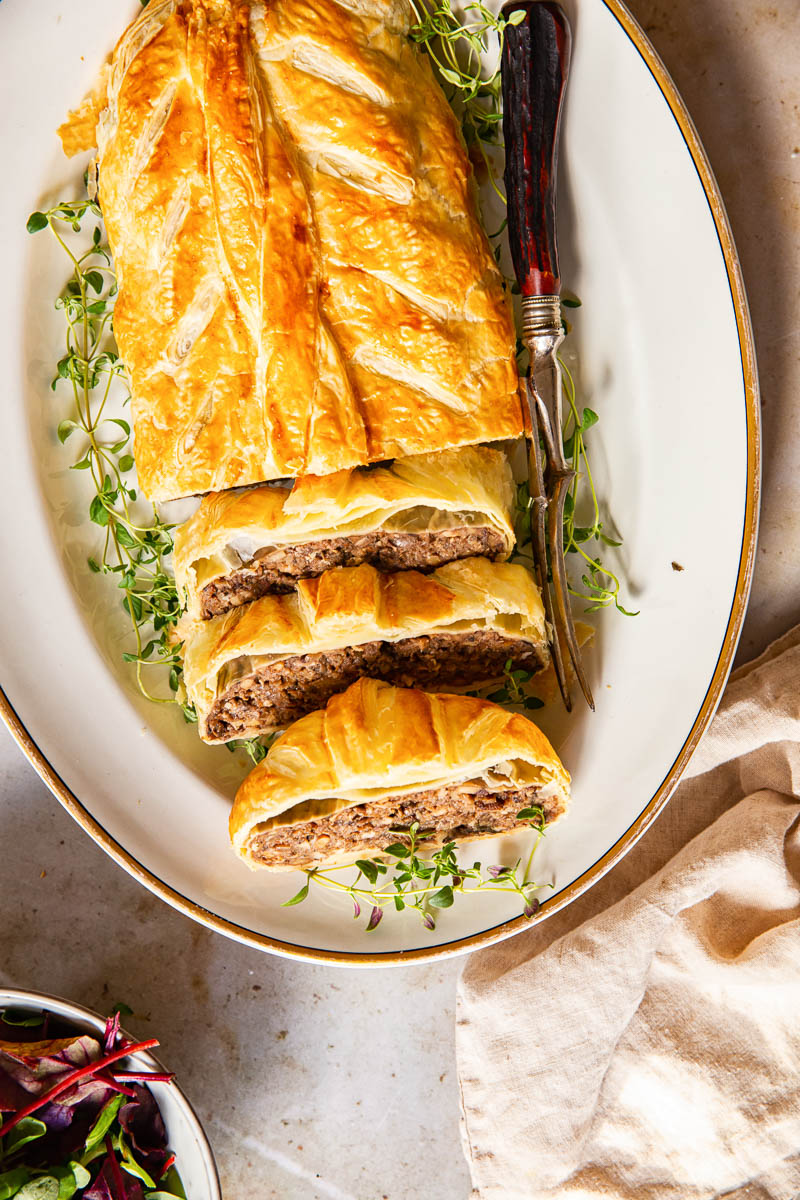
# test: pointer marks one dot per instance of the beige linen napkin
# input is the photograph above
(646, 1041)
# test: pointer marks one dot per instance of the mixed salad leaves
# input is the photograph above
(73, 1123)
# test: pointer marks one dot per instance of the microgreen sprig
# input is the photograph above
(601, 584)
(457, 49)
(405, 877)
(255, 748)
(513, 690)
(137, 541)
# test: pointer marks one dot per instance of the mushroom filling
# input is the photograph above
(449, 813)
(253, 700)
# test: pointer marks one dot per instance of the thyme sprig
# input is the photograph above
(602, 586)
(136, 542)
(405, 877)
(514, 688)
(458, 49)
(255, 748)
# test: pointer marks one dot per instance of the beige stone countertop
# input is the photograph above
(315, 1082)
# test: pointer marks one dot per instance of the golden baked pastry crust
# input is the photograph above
(304, 282)
(350, 606)
(375, 741)
(475, 481)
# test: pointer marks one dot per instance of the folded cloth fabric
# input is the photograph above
(645, 1042)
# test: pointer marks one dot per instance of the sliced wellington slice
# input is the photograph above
(377, 758)
(418, 512)
(261, 666)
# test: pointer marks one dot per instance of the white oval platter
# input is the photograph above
(666, 359)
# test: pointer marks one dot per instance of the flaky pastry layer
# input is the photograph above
(352, 606)
(470, 486)
(375, 742)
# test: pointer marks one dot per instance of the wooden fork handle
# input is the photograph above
(535, 64)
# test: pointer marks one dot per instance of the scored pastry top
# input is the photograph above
(375, 741)
(304, 282)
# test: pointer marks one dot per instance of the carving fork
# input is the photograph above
(535, 63)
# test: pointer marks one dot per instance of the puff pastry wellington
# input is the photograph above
(419, 512)
(304, 282)
(261, 666)
(378, 757)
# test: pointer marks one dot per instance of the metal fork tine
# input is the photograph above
(539, 536)
(564, 624)
(554, 485)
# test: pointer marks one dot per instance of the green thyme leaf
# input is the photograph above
(36, 221)
(98, 511)
(298, 898)
(397, 850)
(65, 428)
(136, 548)
(369, 869)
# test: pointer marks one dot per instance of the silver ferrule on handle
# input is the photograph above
(541, 315)
(543, 333)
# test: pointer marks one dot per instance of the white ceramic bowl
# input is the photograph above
(194, 1158)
